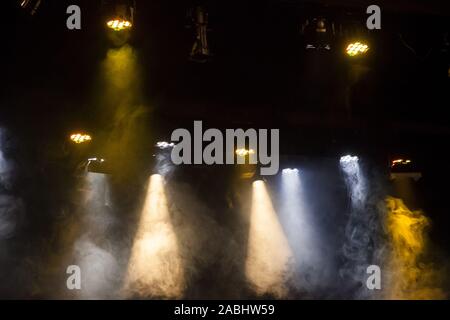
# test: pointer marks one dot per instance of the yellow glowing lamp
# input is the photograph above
(119, 24)
(244, 152)
(80, 138)
(357, 48)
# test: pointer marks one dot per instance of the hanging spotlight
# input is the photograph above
(357, 48)
(246, 170)
(97, 165)
(119, 24)
(96, 160)
(318, 33)
(404, 168)
(200, 50)
(30, 5)
(244, 152)
(400, 162)
(120, 14)
(80, 138)
(289, 171)
(349, 159)
(164, 145)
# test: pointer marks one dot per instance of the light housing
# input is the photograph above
(98, 165)
(400, 162)
(290, 171)
(349, 159)
(357, 48)
(30, 5)
(200, 51)
(402, 168)
(244, 152)
(79, 138)
(163, 145)
(406, 175)
(119, 24)
(318, 33)
(120, 14)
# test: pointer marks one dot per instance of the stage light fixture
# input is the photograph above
(357, 48)
(318, 33)
(119, 24)
(96, 160)
(244, 152)
(349, 159)
(30, 5)
(403, 168)
(79, 138)
(164, 145)
(120, 14)
(290, 171)
(200, 50)
(248, 175)
(400, 162)
(97, 165)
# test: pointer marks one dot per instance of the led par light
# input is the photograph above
(119, 14)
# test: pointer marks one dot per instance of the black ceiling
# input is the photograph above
(260, 75)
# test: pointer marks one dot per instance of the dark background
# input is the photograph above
(260, 77)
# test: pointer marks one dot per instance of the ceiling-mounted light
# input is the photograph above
(120, 14)
(290, 171)
(164, 145)
(357, 48)
(200, 50)
(118, 24)
(30, 5)
(318, 33)
(97, 165)
(79, 138)
(403, 168)
(400, 162)
(244, 152)
(349, 159)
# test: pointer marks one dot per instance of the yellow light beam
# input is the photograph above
(408, 276)
(269, 256)
(155, 268)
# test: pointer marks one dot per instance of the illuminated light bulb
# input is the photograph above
(244, 152)
(119, 24)
(357, 48)
(290, 171)
(349, 159)
(164, 145)
(401, 162)
(79, 138)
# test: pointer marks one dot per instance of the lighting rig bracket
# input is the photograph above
(318, 32)
(200, 51)
(30, 5)
(96, 165)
